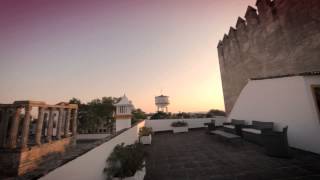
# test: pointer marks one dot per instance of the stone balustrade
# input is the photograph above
(53, 122)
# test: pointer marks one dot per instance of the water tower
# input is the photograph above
(162, 103)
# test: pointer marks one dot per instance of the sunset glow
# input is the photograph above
(55, 50)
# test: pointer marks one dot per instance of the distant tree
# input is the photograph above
(215, 112)
(137, 115)
(183, 115)
(75, 101)
(161, 115)
(95, 113)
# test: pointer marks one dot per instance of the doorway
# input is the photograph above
(316, 94)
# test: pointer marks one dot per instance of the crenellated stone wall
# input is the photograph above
(280, 37)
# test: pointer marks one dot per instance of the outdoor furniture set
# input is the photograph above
(261, 133)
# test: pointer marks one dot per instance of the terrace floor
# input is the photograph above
(199, 156)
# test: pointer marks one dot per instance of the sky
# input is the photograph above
(54, 50)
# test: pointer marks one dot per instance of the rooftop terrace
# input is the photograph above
(194, 155)
(197, 155)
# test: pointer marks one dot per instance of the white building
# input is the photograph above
(291, 101)
(123, 113)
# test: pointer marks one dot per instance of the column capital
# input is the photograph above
(42, 108)
(52, 108)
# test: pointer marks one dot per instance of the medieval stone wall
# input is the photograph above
(280, 37)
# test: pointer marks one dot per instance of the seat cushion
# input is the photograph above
(238, 122)
(262, 125)
(250, 130)
(229, 126)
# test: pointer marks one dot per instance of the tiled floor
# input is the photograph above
(198, 156)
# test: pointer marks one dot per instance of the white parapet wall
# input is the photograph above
(285, 101)
(165, 124)
(91, 164)
(91, 136)
(122, 124)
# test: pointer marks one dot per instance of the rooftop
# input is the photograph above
(197, 155)
(124, 101)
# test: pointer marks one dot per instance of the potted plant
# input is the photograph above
(126, 163)
(179, 126)
(145, 135)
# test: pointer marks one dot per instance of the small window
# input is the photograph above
(316, 94)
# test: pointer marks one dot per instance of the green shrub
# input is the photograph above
(145, 131)
(179, 124)
(124, 161)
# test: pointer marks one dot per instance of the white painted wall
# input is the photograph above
(165, 124)
(122, 124)
(91, 164)
(91, 136)
(285, 101)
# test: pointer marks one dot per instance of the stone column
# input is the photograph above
(26, 127)
(4, 126)
(39, 125)
(74, 123)
(12, 142)
(60, 118)
(67, 123)
(50, 126)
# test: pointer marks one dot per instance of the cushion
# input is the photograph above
(254, 131)
(262, 125)
(238, 122)
(229, 126)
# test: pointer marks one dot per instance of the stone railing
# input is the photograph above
(17, 130)
(27, 142)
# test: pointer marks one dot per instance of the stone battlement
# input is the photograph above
(279, 37)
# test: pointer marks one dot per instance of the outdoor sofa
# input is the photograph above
(276, 143)
(255, 131)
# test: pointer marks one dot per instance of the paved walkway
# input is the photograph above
(199, 156)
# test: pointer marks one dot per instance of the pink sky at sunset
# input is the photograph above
(55, 50)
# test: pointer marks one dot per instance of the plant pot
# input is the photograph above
(180, 129)
(139, 175)
(146, 139)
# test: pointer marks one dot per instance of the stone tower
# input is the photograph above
(279, 38)
(123, 113)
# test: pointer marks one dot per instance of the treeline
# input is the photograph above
(99, 113)
(183, 115)
(96, 113)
